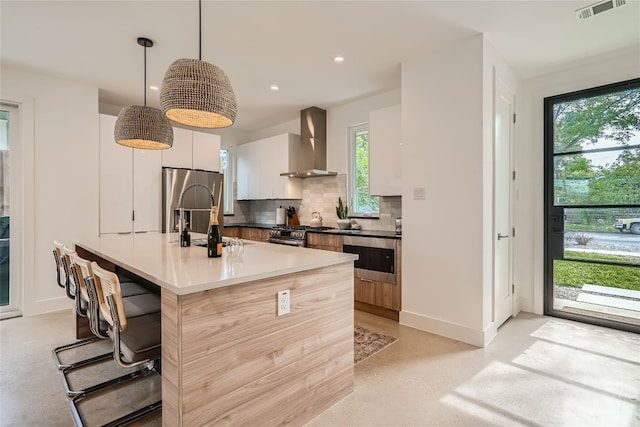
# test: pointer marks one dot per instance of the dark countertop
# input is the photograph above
(363, 233)
(251, 225)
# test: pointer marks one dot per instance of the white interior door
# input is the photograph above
(503, 147)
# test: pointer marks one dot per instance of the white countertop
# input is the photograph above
(159, 258)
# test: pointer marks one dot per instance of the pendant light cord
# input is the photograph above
(200, 30)
(145, 75)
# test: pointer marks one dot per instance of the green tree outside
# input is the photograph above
(363, 201)
(585, 122)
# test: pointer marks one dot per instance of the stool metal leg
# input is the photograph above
(147, 369)
(58, 350)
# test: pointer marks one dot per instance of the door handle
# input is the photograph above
(501, 236)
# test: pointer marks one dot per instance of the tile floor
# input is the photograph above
(539, 371)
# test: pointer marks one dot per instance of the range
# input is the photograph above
(293, 235)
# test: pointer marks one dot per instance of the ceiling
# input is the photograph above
(292, 43)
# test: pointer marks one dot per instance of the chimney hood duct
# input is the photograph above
(312, 153)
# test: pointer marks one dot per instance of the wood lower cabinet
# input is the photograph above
(380, 294)
(380, 298)
(327, 242)
(247, 233)
(231, 231)
(259, 234)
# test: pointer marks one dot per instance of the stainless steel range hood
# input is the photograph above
(312, 158)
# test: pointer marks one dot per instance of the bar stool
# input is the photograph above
(77, 272)
(63, 276)
(136, 342)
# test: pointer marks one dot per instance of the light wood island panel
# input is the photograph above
(228, 359)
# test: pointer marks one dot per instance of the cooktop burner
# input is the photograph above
(300, 227)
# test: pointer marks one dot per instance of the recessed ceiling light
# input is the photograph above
(274, 87)
(338, 59)
(153, 87)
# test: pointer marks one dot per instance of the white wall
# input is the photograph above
(442, 133)
(616, 67)
(61, 173)
(339, 119)
(447, 132)
(292, 126)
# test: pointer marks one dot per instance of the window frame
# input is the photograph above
(229, 179)
(351, 173)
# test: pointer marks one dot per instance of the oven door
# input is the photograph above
(288, 242)
(377, 257)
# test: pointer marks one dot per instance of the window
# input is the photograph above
(225, 168)
(362, 204)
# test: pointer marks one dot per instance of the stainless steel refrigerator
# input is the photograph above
(198, 189)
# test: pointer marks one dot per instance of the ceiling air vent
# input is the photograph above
(597, 8)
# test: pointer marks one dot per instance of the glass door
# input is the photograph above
(7, 300)
(592, 204)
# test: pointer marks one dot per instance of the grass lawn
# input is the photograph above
(576, 274)
(589, 227)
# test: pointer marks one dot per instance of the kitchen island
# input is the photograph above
(227, 357)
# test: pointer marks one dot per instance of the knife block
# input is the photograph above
(293, 220)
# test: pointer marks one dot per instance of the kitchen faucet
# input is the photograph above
(181, 222)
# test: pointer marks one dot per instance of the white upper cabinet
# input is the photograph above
(147, 190)
(193, 150)
(206, 151)
(180, 155)
(130, 185)
(260, 164)
(385, 143)
(116, 181)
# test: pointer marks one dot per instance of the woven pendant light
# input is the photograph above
(196, 93)
(143, 127)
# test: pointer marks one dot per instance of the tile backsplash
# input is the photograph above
(318, 195)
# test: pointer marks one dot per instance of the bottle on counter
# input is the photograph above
(185, 238)
(214, 235)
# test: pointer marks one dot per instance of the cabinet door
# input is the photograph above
(253, 178)
(278, 151)
(116, 191)
(263, 159)
(260, 164)
(364, 291)
(181, 154)
(385, 131)
(327, 242)
(147, 190)
(206, 151)
(231, 231)
(243, 174)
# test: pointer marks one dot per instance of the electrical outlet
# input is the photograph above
(284, 302)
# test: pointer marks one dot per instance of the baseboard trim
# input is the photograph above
(479, 338)
(47, 306)
(525, 304)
